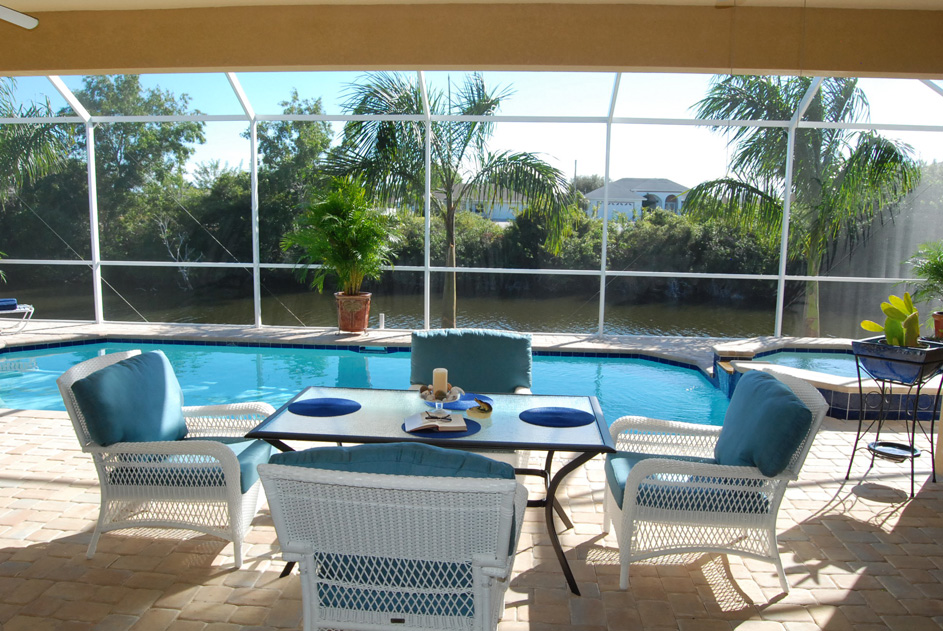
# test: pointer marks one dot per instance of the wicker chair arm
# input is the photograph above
(231, 419)
(194, 447)
(649, 435)
(700, 473)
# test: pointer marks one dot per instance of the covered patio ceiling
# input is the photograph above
(890, 38)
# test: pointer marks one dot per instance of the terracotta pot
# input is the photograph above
(938, 325)
(353, 312)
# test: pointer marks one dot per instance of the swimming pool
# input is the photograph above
(838, 363)
(223, 374)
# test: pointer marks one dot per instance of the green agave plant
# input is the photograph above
(902, 322)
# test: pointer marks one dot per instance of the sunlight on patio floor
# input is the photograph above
(858, 554)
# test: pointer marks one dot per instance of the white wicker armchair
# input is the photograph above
(192, 484)
(674, 503)
(380, 551)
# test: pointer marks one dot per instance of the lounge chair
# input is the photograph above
(397, 536)
(161, 465)
(677, 488)
(10, 307)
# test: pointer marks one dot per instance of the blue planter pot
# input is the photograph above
(903, 364)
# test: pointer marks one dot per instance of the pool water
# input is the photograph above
(838, 364)
(226, 374)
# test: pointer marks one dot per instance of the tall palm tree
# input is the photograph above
(28, 152)
(842, 177)
(389, 156)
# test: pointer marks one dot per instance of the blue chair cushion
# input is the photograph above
(683, 497)
(250, 454)
(7, 304)
(765, 424)
(134, 400)
(398, 459)
(477, 360)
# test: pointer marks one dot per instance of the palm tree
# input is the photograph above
(28, 152)
(842, 177)
(389, 156)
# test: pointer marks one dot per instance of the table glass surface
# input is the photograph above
(382, 412)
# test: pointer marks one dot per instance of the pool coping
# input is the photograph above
(688, 352)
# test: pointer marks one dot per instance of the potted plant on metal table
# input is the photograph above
(928, 265)
(900, 354)
(343, 235)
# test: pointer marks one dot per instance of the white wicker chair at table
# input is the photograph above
(205, 495)
(741, 518)
(381, 551)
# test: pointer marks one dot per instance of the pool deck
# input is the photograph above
(859, 555)
(690, 350)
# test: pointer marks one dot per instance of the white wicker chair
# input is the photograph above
(382, 551)
(205, 496)
(726, 509)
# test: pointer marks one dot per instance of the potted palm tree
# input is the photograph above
(900, 354)
(343, 235)
(928, 265)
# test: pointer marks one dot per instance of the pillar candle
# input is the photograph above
(440, 380)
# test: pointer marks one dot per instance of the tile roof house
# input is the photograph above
(630, 195)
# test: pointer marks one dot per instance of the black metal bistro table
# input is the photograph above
(380, 420)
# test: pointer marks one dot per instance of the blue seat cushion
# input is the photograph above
(7, 304)
(764, 425)
(250, 454)
(398, 459)
(134, 400)
(477, 360)
(683, 497)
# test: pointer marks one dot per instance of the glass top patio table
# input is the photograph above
(380, 419)
(382, 413)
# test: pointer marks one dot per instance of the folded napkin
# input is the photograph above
(557, 417)
(7, 304)
(466, 401)
(323, 407)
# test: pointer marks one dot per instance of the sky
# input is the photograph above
(686, 154)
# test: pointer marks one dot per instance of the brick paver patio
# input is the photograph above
(858, 554)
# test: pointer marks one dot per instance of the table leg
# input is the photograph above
(548, 515)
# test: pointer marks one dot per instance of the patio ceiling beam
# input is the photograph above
(487, 36)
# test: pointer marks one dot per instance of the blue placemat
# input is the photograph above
(473, 428)
(557, 417)
(323, 407)
(464, 402)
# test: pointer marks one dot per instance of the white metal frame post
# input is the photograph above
(787, 201)
(603, 250)
(427, 206)
(95, 243)
(253, 193)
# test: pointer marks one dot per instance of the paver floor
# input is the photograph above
(858, 554)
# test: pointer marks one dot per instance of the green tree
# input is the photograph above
(389, 155)
(290, 170)
(28, 152)
(131, 156)
(842, 177)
